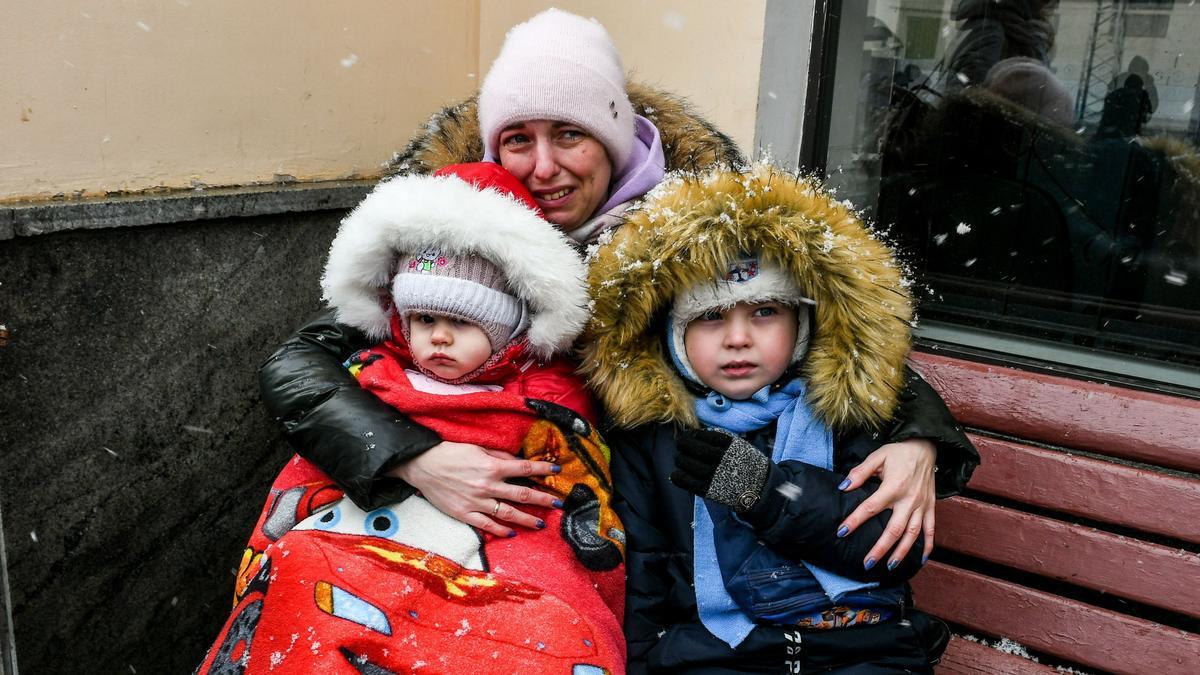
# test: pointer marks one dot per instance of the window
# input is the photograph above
(921, 36)
(1147, 25)
(1036, 162)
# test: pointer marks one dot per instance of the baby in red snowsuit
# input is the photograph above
(475, 299)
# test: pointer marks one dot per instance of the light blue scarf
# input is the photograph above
(799, 436)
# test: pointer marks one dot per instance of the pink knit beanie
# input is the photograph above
(562, 67)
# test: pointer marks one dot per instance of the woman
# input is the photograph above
(555, 111)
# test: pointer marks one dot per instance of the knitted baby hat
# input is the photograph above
(749, 279)
(466, 287)
(562, 67)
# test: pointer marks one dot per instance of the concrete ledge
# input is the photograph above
(26, 220)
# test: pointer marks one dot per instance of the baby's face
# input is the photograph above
(742, 349)
(446, 347)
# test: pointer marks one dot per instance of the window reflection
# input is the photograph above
(1036, 159)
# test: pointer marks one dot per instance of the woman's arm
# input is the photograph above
(923, 414)
(792, 507)
(801, 527)
(924, 432)
(376, 454)
(346, 431)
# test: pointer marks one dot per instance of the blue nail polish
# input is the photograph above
(541, 524)
(556, 469)
(844, 484)
(869, 564)
(892, 564)
(512, 533)
(843, 531)
(924, 559)
(557, 503)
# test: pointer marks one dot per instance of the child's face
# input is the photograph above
(742, 349)
(446, 347)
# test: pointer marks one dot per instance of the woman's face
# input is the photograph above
(566, 169)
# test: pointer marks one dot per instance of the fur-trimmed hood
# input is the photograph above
(451, 136)
(415, 213)
(686, 232)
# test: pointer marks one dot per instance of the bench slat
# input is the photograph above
(1067, 628)
(964, 657)
(1125, 567)
(1143, 426)
(1084, 486)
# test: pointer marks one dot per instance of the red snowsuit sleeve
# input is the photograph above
(557, 382)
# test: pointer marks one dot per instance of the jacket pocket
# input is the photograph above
(778, 593)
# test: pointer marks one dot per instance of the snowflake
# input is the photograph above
(790, 490)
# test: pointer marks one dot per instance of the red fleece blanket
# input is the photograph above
(326, 587)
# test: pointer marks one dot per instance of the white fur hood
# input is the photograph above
(413, 213)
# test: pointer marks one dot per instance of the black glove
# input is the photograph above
(720, 466)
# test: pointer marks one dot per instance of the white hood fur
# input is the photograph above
(413, 213)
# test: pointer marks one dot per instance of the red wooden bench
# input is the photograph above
(1078, 536)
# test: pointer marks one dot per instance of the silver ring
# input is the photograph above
(496, 508)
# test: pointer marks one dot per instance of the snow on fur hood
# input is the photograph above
(414, 213)
(686, 232)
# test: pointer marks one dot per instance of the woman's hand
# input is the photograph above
(467, 483)
(906, 471)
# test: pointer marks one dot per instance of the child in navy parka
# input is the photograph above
(748, 341)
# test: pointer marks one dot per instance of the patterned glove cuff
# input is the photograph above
(740, 476)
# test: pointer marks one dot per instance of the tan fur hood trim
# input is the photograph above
(451, 136)
(686, 232)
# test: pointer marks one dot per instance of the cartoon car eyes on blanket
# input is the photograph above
(327, 587)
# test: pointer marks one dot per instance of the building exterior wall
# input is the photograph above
(131, 96)
(136, 96)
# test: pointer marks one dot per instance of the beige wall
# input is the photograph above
(706, 50)
(135, 95)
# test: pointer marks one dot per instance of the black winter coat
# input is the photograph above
(331, 421)
(662, 625)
